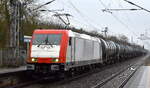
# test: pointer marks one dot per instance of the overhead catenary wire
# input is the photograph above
(82, 15)
(56, 14)
(43, 5)
(86, 21)
(126, 26)
(59, 15)
(137, 6)
(78, 21)
(122, 22)
(31, 11)
(120, 9)
(126, 14)
(64, 14)
(140, 8)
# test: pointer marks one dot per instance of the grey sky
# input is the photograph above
(87, 14)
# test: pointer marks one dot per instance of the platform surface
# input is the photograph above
(10, 70)
(141, 78)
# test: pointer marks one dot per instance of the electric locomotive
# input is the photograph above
(61, 50)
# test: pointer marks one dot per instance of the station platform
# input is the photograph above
(12, 70)
(141, 78)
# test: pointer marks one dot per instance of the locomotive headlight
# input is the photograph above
(56, 60)
(34, 60)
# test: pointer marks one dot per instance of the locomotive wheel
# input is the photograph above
(69, 73)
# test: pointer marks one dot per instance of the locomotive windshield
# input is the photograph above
(47, 39)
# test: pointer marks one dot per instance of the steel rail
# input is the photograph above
(105, 81)
(128, 78)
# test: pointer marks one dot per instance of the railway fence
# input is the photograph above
(8, 58)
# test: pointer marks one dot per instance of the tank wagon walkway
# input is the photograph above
(141, 78)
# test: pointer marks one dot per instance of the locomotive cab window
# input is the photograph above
(47, 39)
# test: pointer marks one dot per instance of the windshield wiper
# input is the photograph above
(51, 45)
(38, 45)
(46, 41)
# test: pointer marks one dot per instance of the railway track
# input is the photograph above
(105, 81)
(128, 78)
(110, 81)
(67, 80)
(58, 81)
(10, 78)
(21, 85)
(54, 83)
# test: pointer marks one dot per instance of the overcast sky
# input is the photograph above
(88, 14)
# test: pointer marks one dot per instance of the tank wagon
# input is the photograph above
(64, 50)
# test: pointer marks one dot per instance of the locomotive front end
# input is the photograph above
(48, 50)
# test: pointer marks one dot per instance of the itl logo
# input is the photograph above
(46, 46)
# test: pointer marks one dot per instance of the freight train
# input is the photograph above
(64, 50)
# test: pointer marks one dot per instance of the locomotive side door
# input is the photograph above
(72, 50)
